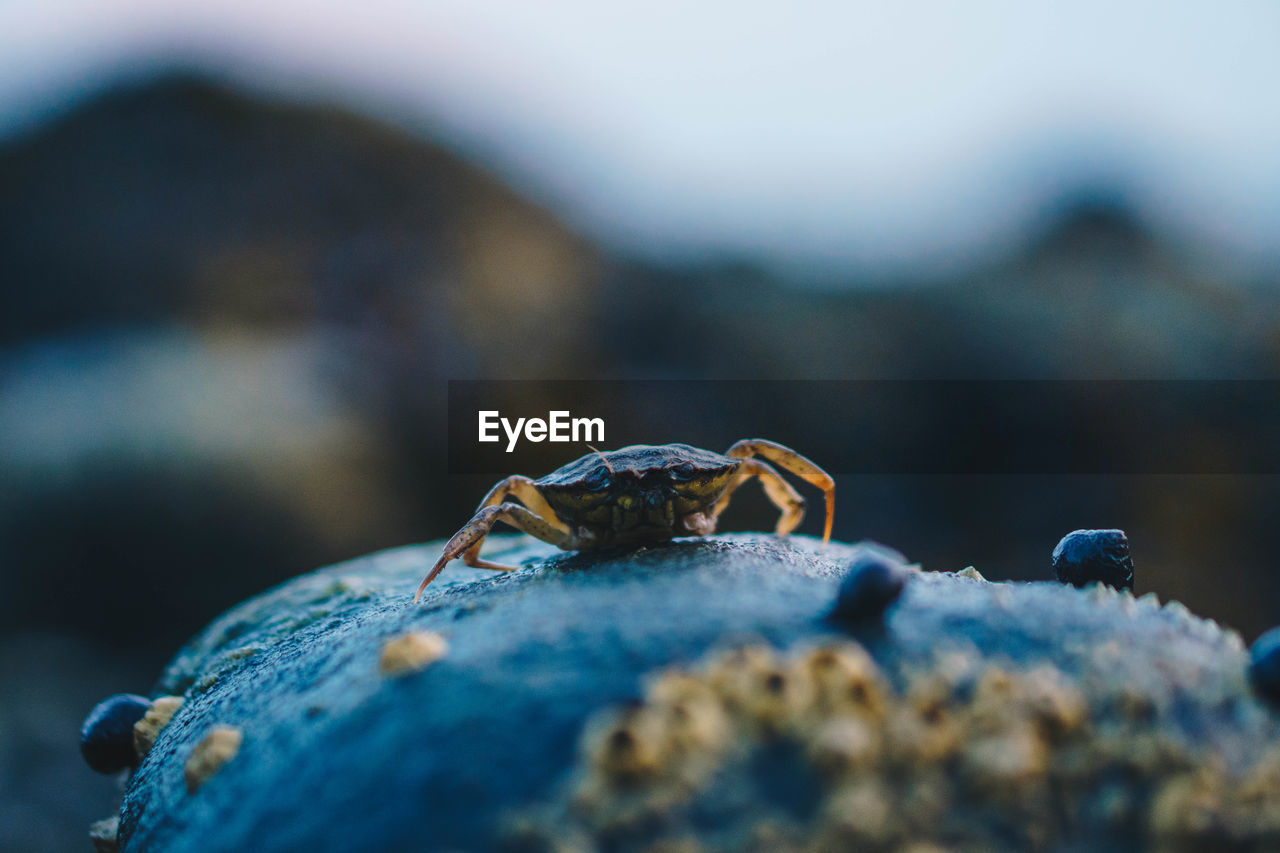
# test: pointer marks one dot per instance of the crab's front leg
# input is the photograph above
(466, 542)
(519, 486)
(788, 459)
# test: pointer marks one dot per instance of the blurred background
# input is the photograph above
(243, 246)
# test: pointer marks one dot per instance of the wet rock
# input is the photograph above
(696, 690)
(1083, 557)
(106, 738)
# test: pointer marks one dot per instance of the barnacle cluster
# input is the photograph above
(821, 750)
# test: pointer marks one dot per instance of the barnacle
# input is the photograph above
(103, 834)
(950, 754)
(843, 746)
(845, 680)
(632, 748)
(857, 815)
(694, 718)
(411, 652)
(762, 690)
(924, 729)
(156, 718)
(219, 746)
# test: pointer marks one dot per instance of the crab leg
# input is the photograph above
(475, 530)
(788, 459)
(523, 488)
(780, 492)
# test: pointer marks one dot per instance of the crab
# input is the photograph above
(635, 496)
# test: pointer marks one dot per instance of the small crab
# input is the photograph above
(639, 494)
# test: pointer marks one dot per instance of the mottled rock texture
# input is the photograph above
(975, 714)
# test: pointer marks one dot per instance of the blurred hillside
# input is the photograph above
(225, 326)
(185, 202)
(226, 321)
(217, 315)
(1096, 296)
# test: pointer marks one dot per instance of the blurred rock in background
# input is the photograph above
(225, 326)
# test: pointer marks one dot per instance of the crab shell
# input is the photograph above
(638, 492)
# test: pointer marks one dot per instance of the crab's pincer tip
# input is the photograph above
(106, 737)
(1264, 666)
(1083, 557)
(874, 582)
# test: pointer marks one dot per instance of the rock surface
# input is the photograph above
(480, 747)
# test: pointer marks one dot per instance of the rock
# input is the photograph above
(696, 693)
(106, 738)
(1083, 557)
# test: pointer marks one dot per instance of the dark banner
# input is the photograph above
(881, 427)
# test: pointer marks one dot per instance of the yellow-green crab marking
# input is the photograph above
(638, 494)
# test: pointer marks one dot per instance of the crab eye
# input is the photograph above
(682, 472)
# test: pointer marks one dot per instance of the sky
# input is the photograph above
(819, 135)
